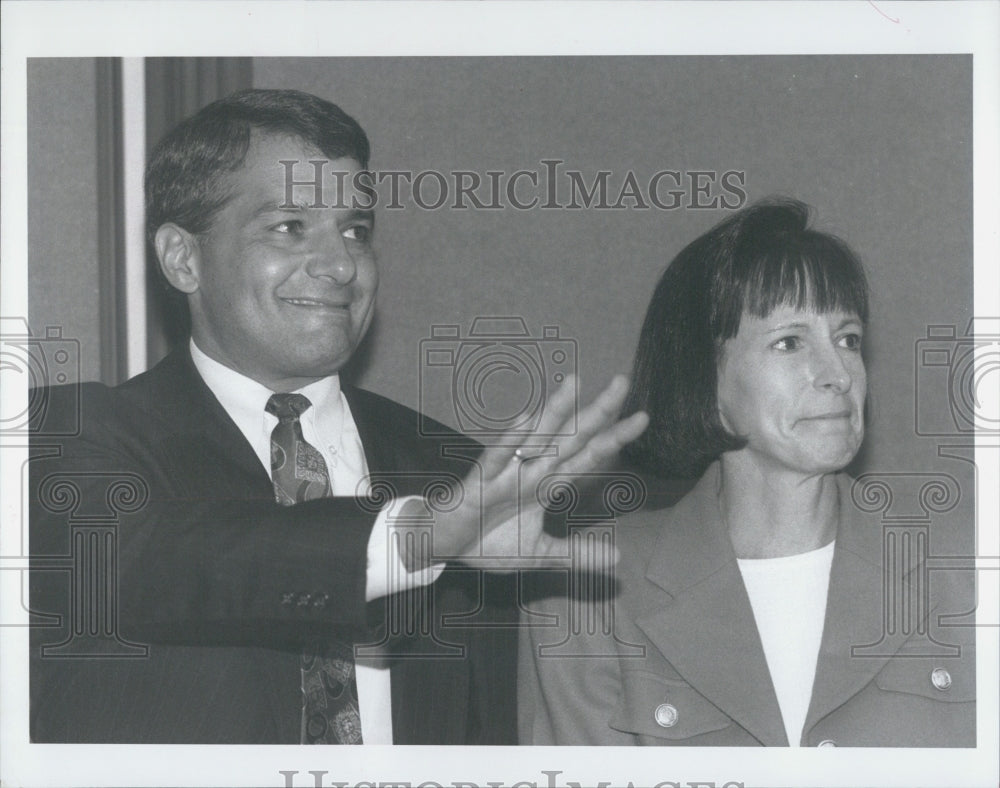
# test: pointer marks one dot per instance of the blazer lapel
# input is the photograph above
(856, 644)
(701, 619)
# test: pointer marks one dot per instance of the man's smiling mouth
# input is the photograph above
(316, 302)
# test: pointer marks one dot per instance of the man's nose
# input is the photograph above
(333, 259)
(831, 372)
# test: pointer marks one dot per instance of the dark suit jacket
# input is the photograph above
(684, 636)
(178, 596)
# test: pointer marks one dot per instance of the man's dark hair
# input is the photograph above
(761, 257)
(185, 171)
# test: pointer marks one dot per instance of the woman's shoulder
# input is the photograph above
(664, 499)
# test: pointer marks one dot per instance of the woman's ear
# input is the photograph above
(179, 256)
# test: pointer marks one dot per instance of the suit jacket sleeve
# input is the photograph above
(202, 553)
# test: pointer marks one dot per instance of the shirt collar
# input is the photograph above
(244, 398)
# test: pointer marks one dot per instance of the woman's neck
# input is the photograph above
(772, 513)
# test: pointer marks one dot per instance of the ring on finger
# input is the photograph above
(521, 455)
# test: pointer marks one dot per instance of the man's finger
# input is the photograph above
(557, 411)
(604, 446)
(495, 459)
(598, 416)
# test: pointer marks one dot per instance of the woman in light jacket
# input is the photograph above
(756, 611)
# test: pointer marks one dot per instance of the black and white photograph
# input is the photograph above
(502, 389)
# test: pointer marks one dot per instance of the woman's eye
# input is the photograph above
(850, 341)
(360, 232)
(788, 343)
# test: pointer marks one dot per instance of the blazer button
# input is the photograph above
(827, 743)
(941, 679)
(303, 600)
(666, 715)
(287, 599)
(320, 599)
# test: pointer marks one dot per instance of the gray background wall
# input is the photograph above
(62, 210)
(879, 145)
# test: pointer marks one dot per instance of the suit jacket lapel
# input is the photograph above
(198, 417)
(373, 442)
(701, 619)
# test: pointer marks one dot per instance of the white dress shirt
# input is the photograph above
(329, 426)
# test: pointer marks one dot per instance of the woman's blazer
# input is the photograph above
(677, 660)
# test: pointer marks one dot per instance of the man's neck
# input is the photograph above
(276, 385)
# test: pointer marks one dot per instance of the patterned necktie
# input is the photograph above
(329, 692)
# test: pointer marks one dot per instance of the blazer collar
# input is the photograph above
(693, 544)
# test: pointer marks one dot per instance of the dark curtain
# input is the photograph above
(177, 87)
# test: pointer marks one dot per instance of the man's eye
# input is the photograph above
(359, 232)
(850, 341)
(788, 343)
(291, 227)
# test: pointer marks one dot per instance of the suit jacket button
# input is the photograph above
(827, 743)
(303, 600)
(666, 715)
(319, 599)
(287, 599)
(941, 679)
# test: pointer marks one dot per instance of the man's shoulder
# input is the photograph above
(144, 400)
(396, 417)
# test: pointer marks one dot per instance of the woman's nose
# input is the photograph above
(831, 371)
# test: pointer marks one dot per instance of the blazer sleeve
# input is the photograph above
(179, 558)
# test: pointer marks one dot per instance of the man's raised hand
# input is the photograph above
(498, 524)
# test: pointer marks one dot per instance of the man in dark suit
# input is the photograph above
(260, 552)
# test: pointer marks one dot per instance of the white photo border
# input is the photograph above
(138, 29)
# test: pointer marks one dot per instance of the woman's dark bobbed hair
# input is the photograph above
(763, 256)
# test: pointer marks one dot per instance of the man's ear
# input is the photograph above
(179, 256)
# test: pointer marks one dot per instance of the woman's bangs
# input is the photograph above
(805, 280)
